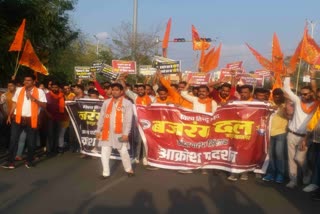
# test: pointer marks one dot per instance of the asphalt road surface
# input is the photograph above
(68, 184)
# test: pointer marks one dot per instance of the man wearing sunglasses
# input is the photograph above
(304, 108)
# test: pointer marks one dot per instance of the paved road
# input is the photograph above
(68, 184)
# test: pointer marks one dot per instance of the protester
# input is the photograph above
(113, 129)
(24, 116)
(304, 108)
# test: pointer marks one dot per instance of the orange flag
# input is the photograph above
(212, 60)
(204, 58)
(277, 82)
(31, 60)
(294, 59)
(18, 39)
(165, 40)
(197, 43)
(277, 56)
(262, 60)
(309, 48)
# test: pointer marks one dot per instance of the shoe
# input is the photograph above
(316, 196)
(145, 161)
(152, 168)
(310, 188)
(130, 174)
(83, 156)
(268, 177)
(280, 179)
(188, 171)
(244, 177)
(232, 178)
(291, 184)
(8, 166)
(258, 176)
(29, 165)
(18, 158)
(104, 177)
(136, 160)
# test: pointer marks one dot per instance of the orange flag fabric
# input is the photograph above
(18, 39)
(262, 60)
(212, 60)
(165, 40)
(31, 60)
(277, 56)
(197, 43)
(294, 59)
(309, 48)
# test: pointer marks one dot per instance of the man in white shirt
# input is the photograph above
(23, 116)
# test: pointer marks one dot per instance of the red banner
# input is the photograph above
(123, 66)
(234, 139)
(198, 78)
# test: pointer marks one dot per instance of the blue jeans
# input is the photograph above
(316, 164)
(16, 130)
(277, 154)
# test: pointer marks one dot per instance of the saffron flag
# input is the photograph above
(18, 39)
(262, 60)
(165, 40)
(277, 56)
(295, 57)
(31, 60)
(197, 42)
(309, 48)
(212, 60)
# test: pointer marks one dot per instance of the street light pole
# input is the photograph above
(134, 29)
(97, 49)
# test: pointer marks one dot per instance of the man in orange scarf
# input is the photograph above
(304, 109)
(56, 119)
(113, 128)
(23, 115)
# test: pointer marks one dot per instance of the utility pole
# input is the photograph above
(97, 49)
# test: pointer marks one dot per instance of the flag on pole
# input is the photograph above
(277, 56)
(197, 42)
(31, 60)
(18, 39)
(309, 48)
(165, 40)
(262, 60)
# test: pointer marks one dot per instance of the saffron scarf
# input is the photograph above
(208, 102)
(118, 122)
(34, 107)
(309, 109)
(145, 100)
(222, 100)
(59, 96)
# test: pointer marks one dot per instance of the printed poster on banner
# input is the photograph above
(225, 74)
(84, 116)
(234, 139)
(198, 78)
(166, 66)
(82, 72)
(147, 70)
(235, 66)
(251, 79)
(107, 71)
(123, 66)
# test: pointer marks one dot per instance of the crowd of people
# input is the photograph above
(35, 116)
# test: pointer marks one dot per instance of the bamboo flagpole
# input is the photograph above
(298, 76)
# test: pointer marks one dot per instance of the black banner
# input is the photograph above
(84, 115)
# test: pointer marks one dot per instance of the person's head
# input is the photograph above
(175, 86)
(224, 90)
(78, 89)
(289, 109)
(107, 83)
(108, 90)
(129, 86)
(55, 87)
(49, 84)
(135, 89)
(66, 89)
(306, 94)
(195, 90)
(260, 94)
(182, 85)
(29, 80)
(149, 90)
(90, 85)
(93, 94)
(245, 92)
(203, 92)
(278, 96)
(141, 90)
(162, 93)
(11, 86)
(117, 90)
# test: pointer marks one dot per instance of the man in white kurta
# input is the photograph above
(115, 140)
